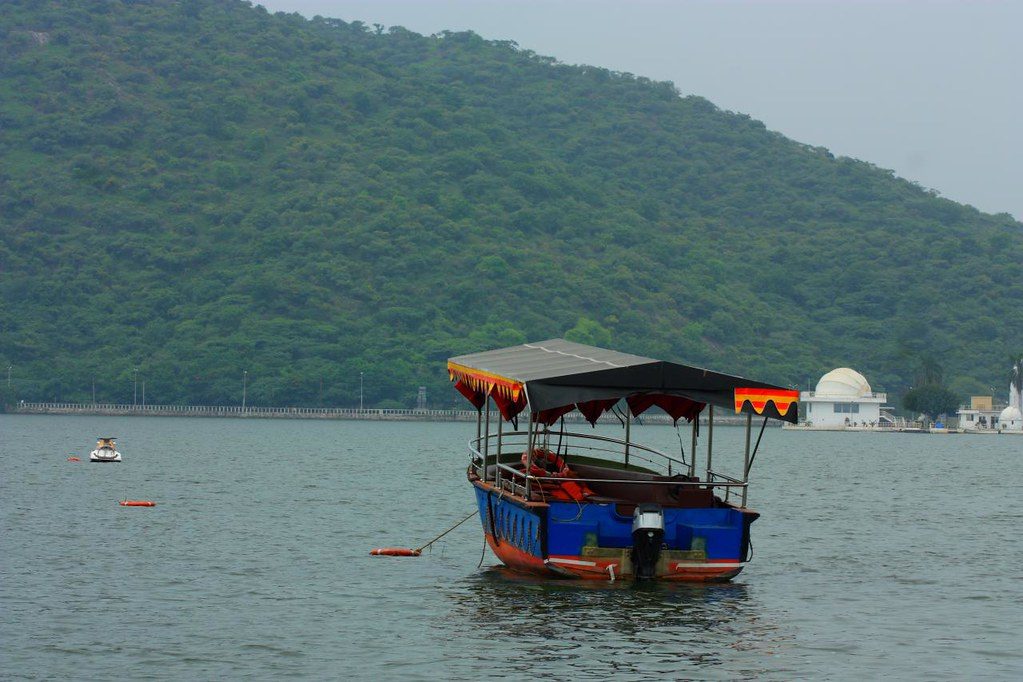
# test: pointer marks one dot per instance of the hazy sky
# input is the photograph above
(931, 90)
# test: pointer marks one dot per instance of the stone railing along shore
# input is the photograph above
(237, 411)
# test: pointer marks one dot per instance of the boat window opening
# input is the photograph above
(848, 408)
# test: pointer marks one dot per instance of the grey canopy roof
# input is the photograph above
(557, 373)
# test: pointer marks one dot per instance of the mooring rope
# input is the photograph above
(448, 530)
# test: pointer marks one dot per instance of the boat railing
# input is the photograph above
(514, 481)
(511, 478)
(561, 442)
(727, 482)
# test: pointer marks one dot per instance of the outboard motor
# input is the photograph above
(647, 537)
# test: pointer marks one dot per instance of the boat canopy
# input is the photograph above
(554, 377)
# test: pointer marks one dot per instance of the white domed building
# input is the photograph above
(1011, 419)
(842, 399)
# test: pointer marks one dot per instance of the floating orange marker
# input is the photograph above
(137, 503)
(394, 551)
(73, 459)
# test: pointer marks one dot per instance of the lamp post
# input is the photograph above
(245, 385)
(360, 391)
(9, 367)
(135, 394)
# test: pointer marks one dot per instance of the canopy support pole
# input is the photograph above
(756, 447)
(628, 423)
(710, 438)
(745, 464)
(486, 441)
(693, 427)
(479, 430)
(529, 452)
(497, 457)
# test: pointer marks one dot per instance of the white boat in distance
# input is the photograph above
(105, 451)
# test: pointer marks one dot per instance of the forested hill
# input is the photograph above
(201, 189)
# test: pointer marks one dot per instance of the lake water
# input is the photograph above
(877, 555)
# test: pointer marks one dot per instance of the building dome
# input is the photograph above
(843, 382)
(1010, 415)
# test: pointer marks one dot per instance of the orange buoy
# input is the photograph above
(137, 503)
(72, 458)
(394, 551)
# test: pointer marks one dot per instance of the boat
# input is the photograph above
(559, 503)
(106, 451)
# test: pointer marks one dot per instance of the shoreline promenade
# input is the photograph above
(238, 412)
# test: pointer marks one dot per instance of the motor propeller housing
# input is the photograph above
(647, 539)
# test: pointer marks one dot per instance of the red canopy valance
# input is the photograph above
(675, 405)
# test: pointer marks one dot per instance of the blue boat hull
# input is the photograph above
(594, 539)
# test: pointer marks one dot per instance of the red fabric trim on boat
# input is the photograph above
(472, 395)
(509, 408)
(675, 406)
(485, 382)
(592, 409)
(552, 415)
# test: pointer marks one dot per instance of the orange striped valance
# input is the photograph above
(758, 398)
(485, 382)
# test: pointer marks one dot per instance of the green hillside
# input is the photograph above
(201, 189)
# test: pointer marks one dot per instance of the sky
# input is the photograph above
(929, 89)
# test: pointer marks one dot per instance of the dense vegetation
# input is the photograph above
(200, 189)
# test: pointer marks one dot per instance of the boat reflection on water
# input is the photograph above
(634, 628)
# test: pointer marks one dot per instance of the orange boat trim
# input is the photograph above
(485, 382)
(758, 398)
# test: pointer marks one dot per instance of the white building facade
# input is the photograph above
(983, 415)
(980, 415)
(842, 399)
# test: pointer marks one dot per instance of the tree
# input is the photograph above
(589, 332)
(932, 400)
(236, 190)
